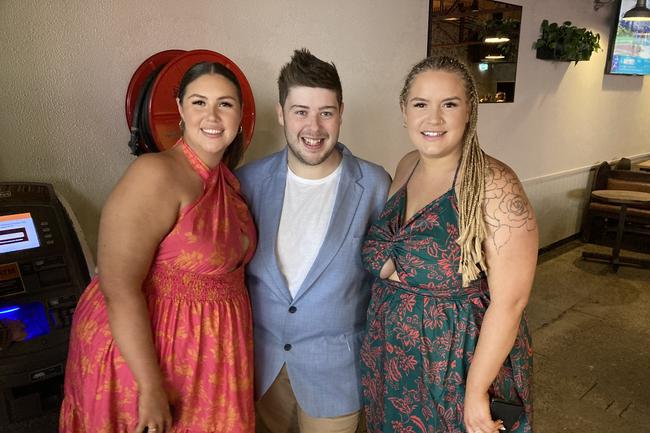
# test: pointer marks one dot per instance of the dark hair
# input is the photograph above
(233, 154)
(307, 70)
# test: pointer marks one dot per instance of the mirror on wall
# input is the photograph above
(483, 33)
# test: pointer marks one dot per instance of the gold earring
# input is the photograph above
(240, 129)
(181, 124)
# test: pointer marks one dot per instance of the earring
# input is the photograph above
(240, 129)
(403, 124)
(181, 124)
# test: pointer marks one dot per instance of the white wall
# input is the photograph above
(565, 118)
(66, 65)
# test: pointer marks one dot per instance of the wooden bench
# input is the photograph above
(604, 216)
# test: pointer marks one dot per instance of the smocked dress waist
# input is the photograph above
(166, 281)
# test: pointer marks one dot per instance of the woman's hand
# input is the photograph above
(477, 416)
(154, 413)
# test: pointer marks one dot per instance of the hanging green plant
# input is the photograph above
(566, 42)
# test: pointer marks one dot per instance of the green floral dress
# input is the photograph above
(421, 334)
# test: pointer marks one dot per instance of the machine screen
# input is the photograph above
(17, 232)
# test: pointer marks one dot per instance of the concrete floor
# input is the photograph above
(591, 335)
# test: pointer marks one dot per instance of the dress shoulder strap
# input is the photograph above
(411, 174)
(199, 166)
(453, 183)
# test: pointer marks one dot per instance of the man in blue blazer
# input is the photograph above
(312, 203)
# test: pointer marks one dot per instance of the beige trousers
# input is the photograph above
(279, 412)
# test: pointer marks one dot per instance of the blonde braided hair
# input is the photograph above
(473, 167)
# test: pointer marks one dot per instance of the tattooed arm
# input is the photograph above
(511, 255)
(508, 214)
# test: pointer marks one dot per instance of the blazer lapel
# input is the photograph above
(272, 193)
(345, 207)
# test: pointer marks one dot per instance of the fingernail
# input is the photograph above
(502, 428)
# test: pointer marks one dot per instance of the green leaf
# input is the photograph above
(567, 41)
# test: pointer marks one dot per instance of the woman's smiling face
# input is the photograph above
(436, 113)
(212, 113)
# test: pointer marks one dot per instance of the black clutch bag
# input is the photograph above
(507, 411)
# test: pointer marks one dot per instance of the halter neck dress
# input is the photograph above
(422, 331)
(201, 321)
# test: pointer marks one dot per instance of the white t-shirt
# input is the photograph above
(306, 212)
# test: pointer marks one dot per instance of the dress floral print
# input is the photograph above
(201, 321)
(422, 331)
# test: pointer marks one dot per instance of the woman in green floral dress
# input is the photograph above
(454, 253)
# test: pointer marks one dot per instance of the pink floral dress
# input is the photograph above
(201, 321)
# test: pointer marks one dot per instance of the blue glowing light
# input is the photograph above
(9, 310)
(32, 316)
(482, 67)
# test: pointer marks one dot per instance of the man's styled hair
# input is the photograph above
(307, 70)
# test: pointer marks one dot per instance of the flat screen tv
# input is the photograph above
(629, 46)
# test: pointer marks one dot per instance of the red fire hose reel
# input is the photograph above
(151, 111)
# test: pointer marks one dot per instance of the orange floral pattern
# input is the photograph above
(201, 317)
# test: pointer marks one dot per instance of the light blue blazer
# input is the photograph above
(318, 333)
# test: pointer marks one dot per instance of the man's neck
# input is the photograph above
(319, 171)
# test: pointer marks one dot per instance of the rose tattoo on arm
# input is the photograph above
(506, 207)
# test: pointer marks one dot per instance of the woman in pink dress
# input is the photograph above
(162, 338)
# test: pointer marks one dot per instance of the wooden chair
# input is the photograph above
(604, 215)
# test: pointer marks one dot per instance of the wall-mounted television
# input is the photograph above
(629, 45)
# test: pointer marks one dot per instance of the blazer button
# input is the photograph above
(287, 347)
(292, 309)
